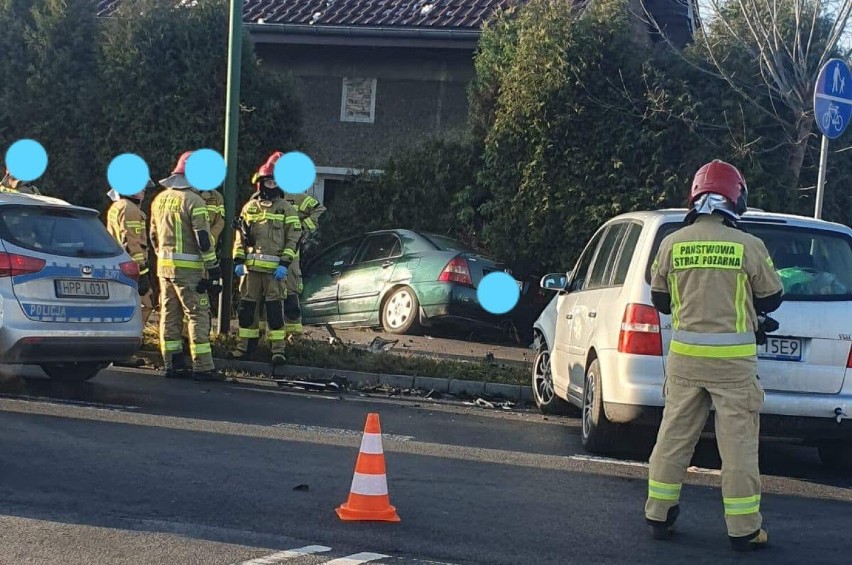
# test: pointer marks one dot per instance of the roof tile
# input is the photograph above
(436, 14)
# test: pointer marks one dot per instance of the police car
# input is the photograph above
(68, 292)
(602, 346)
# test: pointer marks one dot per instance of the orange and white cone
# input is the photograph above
(368, 496)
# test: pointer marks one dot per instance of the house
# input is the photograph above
(376, 75)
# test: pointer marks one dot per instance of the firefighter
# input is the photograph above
(11, 184)
(268, 230)
(717, 282)
(180, 233)
(216, 213)
(309, 210)
(127, 223)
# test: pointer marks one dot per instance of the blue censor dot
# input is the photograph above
(205, 169)
(295, 172)
(128, 174)
(498, 293)
(26, 160)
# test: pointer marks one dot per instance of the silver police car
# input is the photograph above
(68, 292)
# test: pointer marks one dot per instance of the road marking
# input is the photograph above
(282, 556)
(357, 559)
(628, 463)
(63, 402)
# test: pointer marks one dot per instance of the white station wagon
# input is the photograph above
(69, 299)
(602, 346)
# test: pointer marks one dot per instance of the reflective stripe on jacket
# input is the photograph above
(126, 222)
(275, 230)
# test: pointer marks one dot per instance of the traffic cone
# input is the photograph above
(368, 496)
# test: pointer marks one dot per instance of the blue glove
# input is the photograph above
(240, 270)
(280, 272)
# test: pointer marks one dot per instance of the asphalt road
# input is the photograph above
(131, 468)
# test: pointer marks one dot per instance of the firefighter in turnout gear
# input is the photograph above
(309, 210)
(187, 268)
(11, 184)
(268, 231)
(127, 223)
(718, 283)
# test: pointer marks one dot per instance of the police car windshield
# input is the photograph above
(57, 231)
(814, 264)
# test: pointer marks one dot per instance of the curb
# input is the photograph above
(459, 387)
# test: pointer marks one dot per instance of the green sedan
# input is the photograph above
(399, 280)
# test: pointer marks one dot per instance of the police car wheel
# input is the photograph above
(72, 372)
(598, 433)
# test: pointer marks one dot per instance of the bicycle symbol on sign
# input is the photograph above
(832, 118)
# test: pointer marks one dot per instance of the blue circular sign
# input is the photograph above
(833, 98)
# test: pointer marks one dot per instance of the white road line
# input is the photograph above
(357, 559)
(282, 556)
(627, 463)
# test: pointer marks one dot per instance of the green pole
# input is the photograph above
(232, 128)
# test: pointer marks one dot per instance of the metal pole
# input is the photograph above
(820, 193)
(232, 128)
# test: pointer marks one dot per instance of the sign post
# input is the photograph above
(832, 112)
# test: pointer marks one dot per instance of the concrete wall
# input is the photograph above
(419, 93)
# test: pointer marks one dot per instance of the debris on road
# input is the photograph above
(379, 345)
(482, 403)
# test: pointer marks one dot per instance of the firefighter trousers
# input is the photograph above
(292, 309)
(179, 300)
(147, 302)
(255, 289)
(737, 425)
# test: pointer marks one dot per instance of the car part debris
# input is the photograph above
(379, 345)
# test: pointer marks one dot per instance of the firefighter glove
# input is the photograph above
(214, 273)
(280, 273)
(240, 270)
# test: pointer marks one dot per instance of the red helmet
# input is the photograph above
(719, 177)
(274, 158)
(180, 168)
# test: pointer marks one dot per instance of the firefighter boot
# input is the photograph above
(664, 530)
(756, 540)
(179, 368)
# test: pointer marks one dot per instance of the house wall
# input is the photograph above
(419, 93)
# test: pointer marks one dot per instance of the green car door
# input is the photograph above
(362, 283)
(321, 276)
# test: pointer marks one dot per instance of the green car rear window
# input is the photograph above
(447, 243)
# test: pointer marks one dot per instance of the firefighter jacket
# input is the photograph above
(17, 186)
(308, 208)
(126, 222)
(713, 274)
(216, 212)
(180, 233)
(274, 230)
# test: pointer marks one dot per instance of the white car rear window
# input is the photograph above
(57, 231)
(813, 264)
